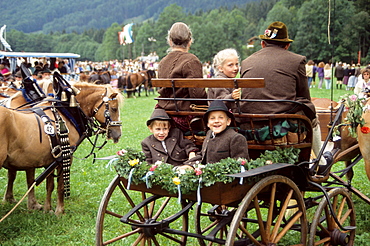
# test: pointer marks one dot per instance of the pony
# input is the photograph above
(26, 146)
(101, 77)
(133, 82)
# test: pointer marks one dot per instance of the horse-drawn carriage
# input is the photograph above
(277, 204)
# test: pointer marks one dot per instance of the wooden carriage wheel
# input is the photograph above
(118, 201)
(324, 231)
(265, 216)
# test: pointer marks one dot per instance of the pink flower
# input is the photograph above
(121, 152)
(243, 162)
(152, 168)
(268, 162)
(198, 171)
(353, 98)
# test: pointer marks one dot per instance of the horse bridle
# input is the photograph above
(108, 120)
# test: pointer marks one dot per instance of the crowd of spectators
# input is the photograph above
(74, 71)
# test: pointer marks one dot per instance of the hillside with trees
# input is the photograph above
(318, 37)
(78, 16)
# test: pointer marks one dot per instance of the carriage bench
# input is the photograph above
(266, 132)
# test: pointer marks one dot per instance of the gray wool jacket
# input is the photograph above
(178, 148)
(228, 143)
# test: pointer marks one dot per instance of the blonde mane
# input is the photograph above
(88, 87)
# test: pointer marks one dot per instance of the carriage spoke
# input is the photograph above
(143, 197)
(156, 243)
(323, 229)
(121, 236)
(250, 236)
(341, 207)
(271, 209)
(345, 216)
(113, 214)
(281, 215)
(171, 238)
(288, 226)
(151, 208)
(209, 227)
(324, 240)
(132, 204)
(160, 210)
(329, 220)
(260, 220)
(138, 240)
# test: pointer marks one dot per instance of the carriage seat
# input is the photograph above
(266, 132)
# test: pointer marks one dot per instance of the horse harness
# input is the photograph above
(108, 120)
(59, 142)
(61, 149)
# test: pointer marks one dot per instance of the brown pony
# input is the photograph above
(25, 146)
(100, 77)
(133, 81)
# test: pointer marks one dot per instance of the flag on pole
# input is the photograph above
(3, 41)
(125, 37)
(128, 33)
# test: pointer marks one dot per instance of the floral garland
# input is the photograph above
(355, 107)
(131, 165)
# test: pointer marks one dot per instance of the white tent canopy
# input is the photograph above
(38, 54)
(14, 56)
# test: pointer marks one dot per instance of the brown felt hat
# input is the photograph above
(158, 114)
(276, 31)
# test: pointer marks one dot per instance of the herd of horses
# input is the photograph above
(130, 82)
(27, 138)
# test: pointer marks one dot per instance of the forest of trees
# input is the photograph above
(220, 28)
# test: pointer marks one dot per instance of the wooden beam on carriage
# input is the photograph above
(210, 83)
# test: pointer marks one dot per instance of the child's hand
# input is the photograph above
(191, 155)
(184, 168)
(237, 94)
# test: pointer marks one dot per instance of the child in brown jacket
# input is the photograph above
(166, 144)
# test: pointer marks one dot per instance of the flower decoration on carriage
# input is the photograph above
(132, 166)
(133, 162)
(355, 107)
(121, 152)
(176, 180)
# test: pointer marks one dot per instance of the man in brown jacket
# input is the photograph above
(285, 79)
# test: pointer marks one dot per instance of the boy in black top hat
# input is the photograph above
(166, 144)
(221, 142)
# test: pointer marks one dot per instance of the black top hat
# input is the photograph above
(158, 114)
(276, 31)
(217, 106)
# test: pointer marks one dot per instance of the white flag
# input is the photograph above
(127, 30)
(3, 41)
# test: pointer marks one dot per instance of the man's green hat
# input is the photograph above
(277, 32)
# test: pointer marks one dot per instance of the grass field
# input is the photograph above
(89, 180)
